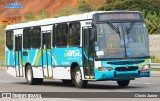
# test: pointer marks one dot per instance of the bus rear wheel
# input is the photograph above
(77, 78)
(29, 77)
(123, 83)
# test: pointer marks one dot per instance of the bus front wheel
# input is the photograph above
(77, 78)
(123, 83)
(29, 77)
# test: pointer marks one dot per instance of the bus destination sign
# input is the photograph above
(118, 16)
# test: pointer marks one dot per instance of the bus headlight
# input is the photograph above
(109, 68)
(105, 68)
(100, 68)
(145, 66)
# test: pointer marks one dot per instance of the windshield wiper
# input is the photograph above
(130, 28)
(113, 27)
(116, 29)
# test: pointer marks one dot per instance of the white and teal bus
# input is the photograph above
(95, 46)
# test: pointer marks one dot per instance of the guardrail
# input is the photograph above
(2, 63)
(155, 65)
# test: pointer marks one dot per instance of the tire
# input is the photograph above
(29, 77)
(67, 81)
(77, 78)
(123, 83)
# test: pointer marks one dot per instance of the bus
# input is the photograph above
(94, 46)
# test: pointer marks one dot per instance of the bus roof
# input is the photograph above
(49, 21)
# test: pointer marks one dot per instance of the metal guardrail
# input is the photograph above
(2, 63)
(155, 65)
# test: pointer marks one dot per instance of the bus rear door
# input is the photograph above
(47, 54)
(18, 55)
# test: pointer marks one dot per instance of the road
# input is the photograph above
(13, 84)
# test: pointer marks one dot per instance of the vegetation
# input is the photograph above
(155, 69)
(155, 59)
(153, 22)
(66, 11)
(150, 9)
(2, 44)
(134, 5)
(30, 16)
(84, 6)
(43, 14)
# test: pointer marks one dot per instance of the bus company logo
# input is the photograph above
(72, 53)
(14, 5)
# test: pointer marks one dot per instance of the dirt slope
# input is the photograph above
(38, 5)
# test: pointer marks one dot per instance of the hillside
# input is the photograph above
(35, 6)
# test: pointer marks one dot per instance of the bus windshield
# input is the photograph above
(121, 40)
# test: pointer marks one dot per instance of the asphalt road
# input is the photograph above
(12, 84)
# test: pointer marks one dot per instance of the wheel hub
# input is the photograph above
(78, 77)
(29, 73)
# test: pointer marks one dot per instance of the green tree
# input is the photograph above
(153, 23)
(43, 14)
(84, 6)
(134, 5)
(30, 16)
(150, 9)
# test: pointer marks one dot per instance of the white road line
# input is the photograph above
(5, 81)
(3, 91)
(123, 91)
(148, 83)
(142, 83)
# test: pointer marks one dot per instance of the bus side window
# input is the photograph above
(74, 34)
(53, 36)
(36, 37)
(27, 38)
(61, 35)
(9, 40)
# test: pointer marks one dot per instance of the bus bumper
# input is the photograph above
(115, 75)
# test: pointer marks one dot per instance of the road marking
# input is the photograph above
(5, 81)
(155, 75)
(142, 83)
(123, 91)
(3, 91)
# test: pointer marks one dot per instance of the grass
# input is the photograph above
(155, 69)
(66, 11)
(154, 59)
(2, 44)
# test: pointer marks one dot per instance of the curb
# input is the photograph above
(2, 68)
(154, 75)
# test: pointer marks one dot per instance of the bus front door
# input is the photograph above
(18, 55)
(47, 54)
(88, 54)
